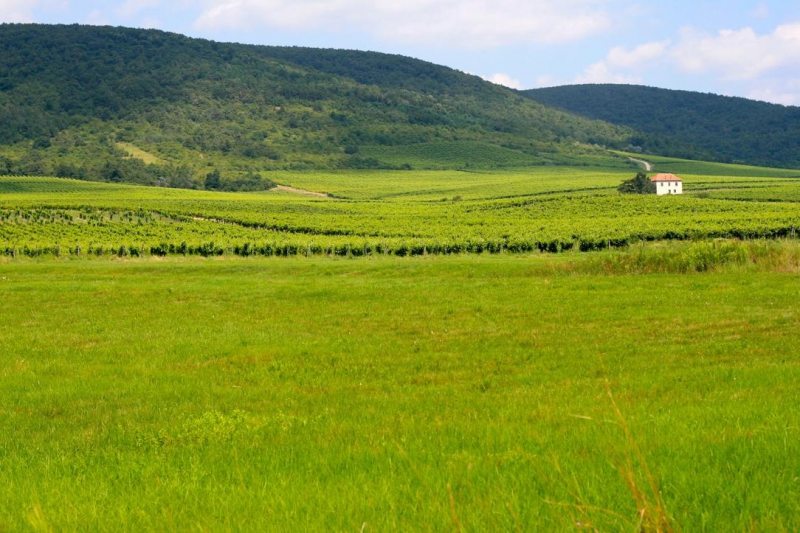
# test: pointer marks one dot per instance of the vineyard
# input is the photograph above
(393, 213)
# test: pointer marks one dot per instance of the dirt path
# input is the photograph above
(302, 192)
(647, 166)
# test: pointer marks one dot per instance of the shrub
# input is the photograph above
(639, 184)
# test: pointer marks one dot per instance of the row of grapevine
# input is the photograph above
(347, 248)
(131, 221)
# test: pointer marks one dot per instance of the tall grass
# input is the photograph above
(702, 256)
(651, 509)
(431, 394)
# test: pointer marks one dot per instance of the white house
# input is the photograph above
(667, 184)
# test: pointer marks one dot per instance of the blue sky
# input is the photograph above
(748, 48)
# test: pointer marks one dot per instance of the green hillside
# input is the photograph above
(156, 108)
(688, 124)
(446, 155)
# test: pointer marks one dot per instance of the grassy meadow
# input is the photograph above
(466, 393)
(351, 387)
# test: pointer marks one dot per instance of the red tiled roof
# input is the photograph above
(665, 177)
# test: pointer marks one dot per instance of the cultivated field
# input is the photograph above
(650, 387)
(391, 213)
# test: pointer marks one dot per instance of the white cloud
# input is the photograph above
(639, 57)
(742, 56)
(777, 91)
(546, 80)
(505, 80)
(738, 54)
(97, 18)
(619, 58)
(462, 23)
(600, 73)
(761, 11)
(17, 10)
(768, 94)
(151, 24)
(134, 7)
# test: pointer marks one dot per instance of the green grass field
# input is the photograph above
(352, 387)
(464, 393)
(691, 167)
(137, 153)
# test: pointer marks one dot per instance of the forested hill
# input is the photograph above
(160, 108)
(688, 124)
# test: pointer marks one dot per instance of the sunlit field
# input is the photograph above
(392, 213)
(470, 393)
(422, 351)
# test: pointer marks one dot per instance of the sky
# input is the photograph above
(748, 48)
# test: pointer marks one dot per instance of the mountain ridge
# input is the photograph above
(688, 124)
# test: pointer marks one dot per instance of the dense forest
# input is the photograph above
(151, 107)
(688, 124)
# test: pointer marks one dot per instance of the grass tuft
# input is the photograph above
(650, 505)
